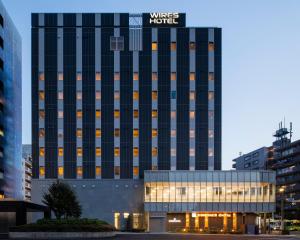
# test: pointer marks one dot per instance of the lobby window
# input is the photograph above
(154, 76)
(41, 132)
(154, 113)
(154, 46)
(210, 95)
(135, 171)
(135, 76)
(192, 114)
(60, 171)
(60, 114)
(173, 46)
(98, 95)
(60, 151)
(79, 171)
(60, 133)
(41, 95)
(135, 113)
(117, 170)
(173, 76)
(79, 132)
(98, 133)
(154, 95)
(154, 132)
(173, 152)
(135, 132)
(211, 76)
(117, 114)
(117, 152)
(192, 152)
(192, 95)
(60, 76)
(42, 152)
(135, 151)
(42, 171)
(60, 95)
(98, 171)
(135, 95)
(79, 76)
(42, 114)
(98, 113)
(117, 132)
(98, 151)
(79, 152)
(192, 76)
(192, 133)
(117, 95)
(79, 114)
(41, 76)
(173, 114)
(79, 95)
(117, 76)
(98, 76)
(117, 43)
(192, 46)
(210, 152)
(210, 133)
(154, 152)
(211, 46)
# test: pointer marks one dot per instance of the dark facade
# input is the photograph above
(10, 109)
(116, 94)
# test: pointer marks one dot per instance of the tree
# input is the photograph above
(62, 200)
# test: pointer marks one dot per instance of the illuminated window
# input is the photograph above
(60, 76)
(60, 171)
(192, 76)
(42, 114)
(79, 114)
(154, 76)
(60, 114)
(210, 95)
(117, 152)
(98, 152)
(192, 46)
(173, 133)
(79, 95)
(79, 76)
(60, 95)
(79, 132)
(154, 46)
(211, 76)
(117, 76)
(41, 132)
(154, 132)
(135, 152)
(135, 132)
(154, 95)
(41, 76)
(98, 171)
(79, 171)
(135, 95)
(173, 46)
(117, 113)
(41, 95)
(42, 152)
(192, 133)
(117, 170)
(60, 133)
(154, 152)
(192, 152)
(117, 132)
(173, 114)
(135, 113)
(117, 95)
(210, 152)
(42, 171)
(98, 76)
(135, 76)
(98, 95)
(154, 113)
(135, 171)
(1, 132)
(210, 133)
(98, 114)
(2, 196)
(79, 152)
(154, 167)
(192, 114)
(192, 95)
(173, 76)
(211, 46)
(173, 152)
(98, 132)
(60, 152)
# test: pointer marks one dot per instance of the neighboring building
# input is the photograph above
(10, 109)
(255, 160)
(27, 171)
(117, 96)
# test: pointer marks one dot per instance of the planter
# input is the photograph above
(60, 235)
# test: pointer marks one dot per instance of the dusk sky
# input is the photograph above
(261, 59)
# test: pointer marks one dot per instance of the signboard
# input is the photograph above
(174, 220)
(166, 19)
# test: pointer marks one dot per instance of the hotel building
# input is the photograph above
(117, 96)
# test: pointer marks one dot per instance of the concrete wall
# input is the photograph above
(99, 198)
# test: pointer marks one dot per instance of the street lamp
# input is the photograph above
(281, 191)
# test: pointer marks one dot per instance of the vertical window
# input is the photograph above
(79, 152)
(173, 94)
(192, 133)
(154, 132)
(135, 171)
(192, 95)
(154, 113)
(135, 113)
(79, 76)
(41, 95)
(60, 114)
(117, 152)
(154, 46)
(117, 113)
(135, 95)
(192, 152)
(98, 132)
(154, 95)
(98, 171)
(135, 151)
(60, 76)
(79, 114)
(116, 43)
(135, 132)
(41, 132)
(173, 46)
(154, 76)
(192, 46)
(192, 76)
(60, 133)
(135, 76)
(210, 114)
(42, 152)
(60, 171)
(41, 76)
(98, 114)
(79, 171)
(79, 132)
(173, 152)
(60, 151)
(79, 95)
(173, 114)
(60, 95)
(210, 133)
(192, 114)
(42, 171)
(210, 95)
(154, 152)
(41, 114)
(98, 151)
(210, 152)
(117, 170)
(117, 76)
(98, 95)
(117, 132)
(98, 76)
(173, 133)
(173, 76)
(211, 76)
(211, 46)
(117, 95)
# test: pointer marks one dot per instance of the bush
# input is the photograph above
(65, 225)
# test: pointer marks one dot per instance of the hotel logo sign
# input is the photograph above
(164, 18)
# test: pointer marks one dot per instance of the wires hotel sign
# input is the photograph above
(164, 19)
